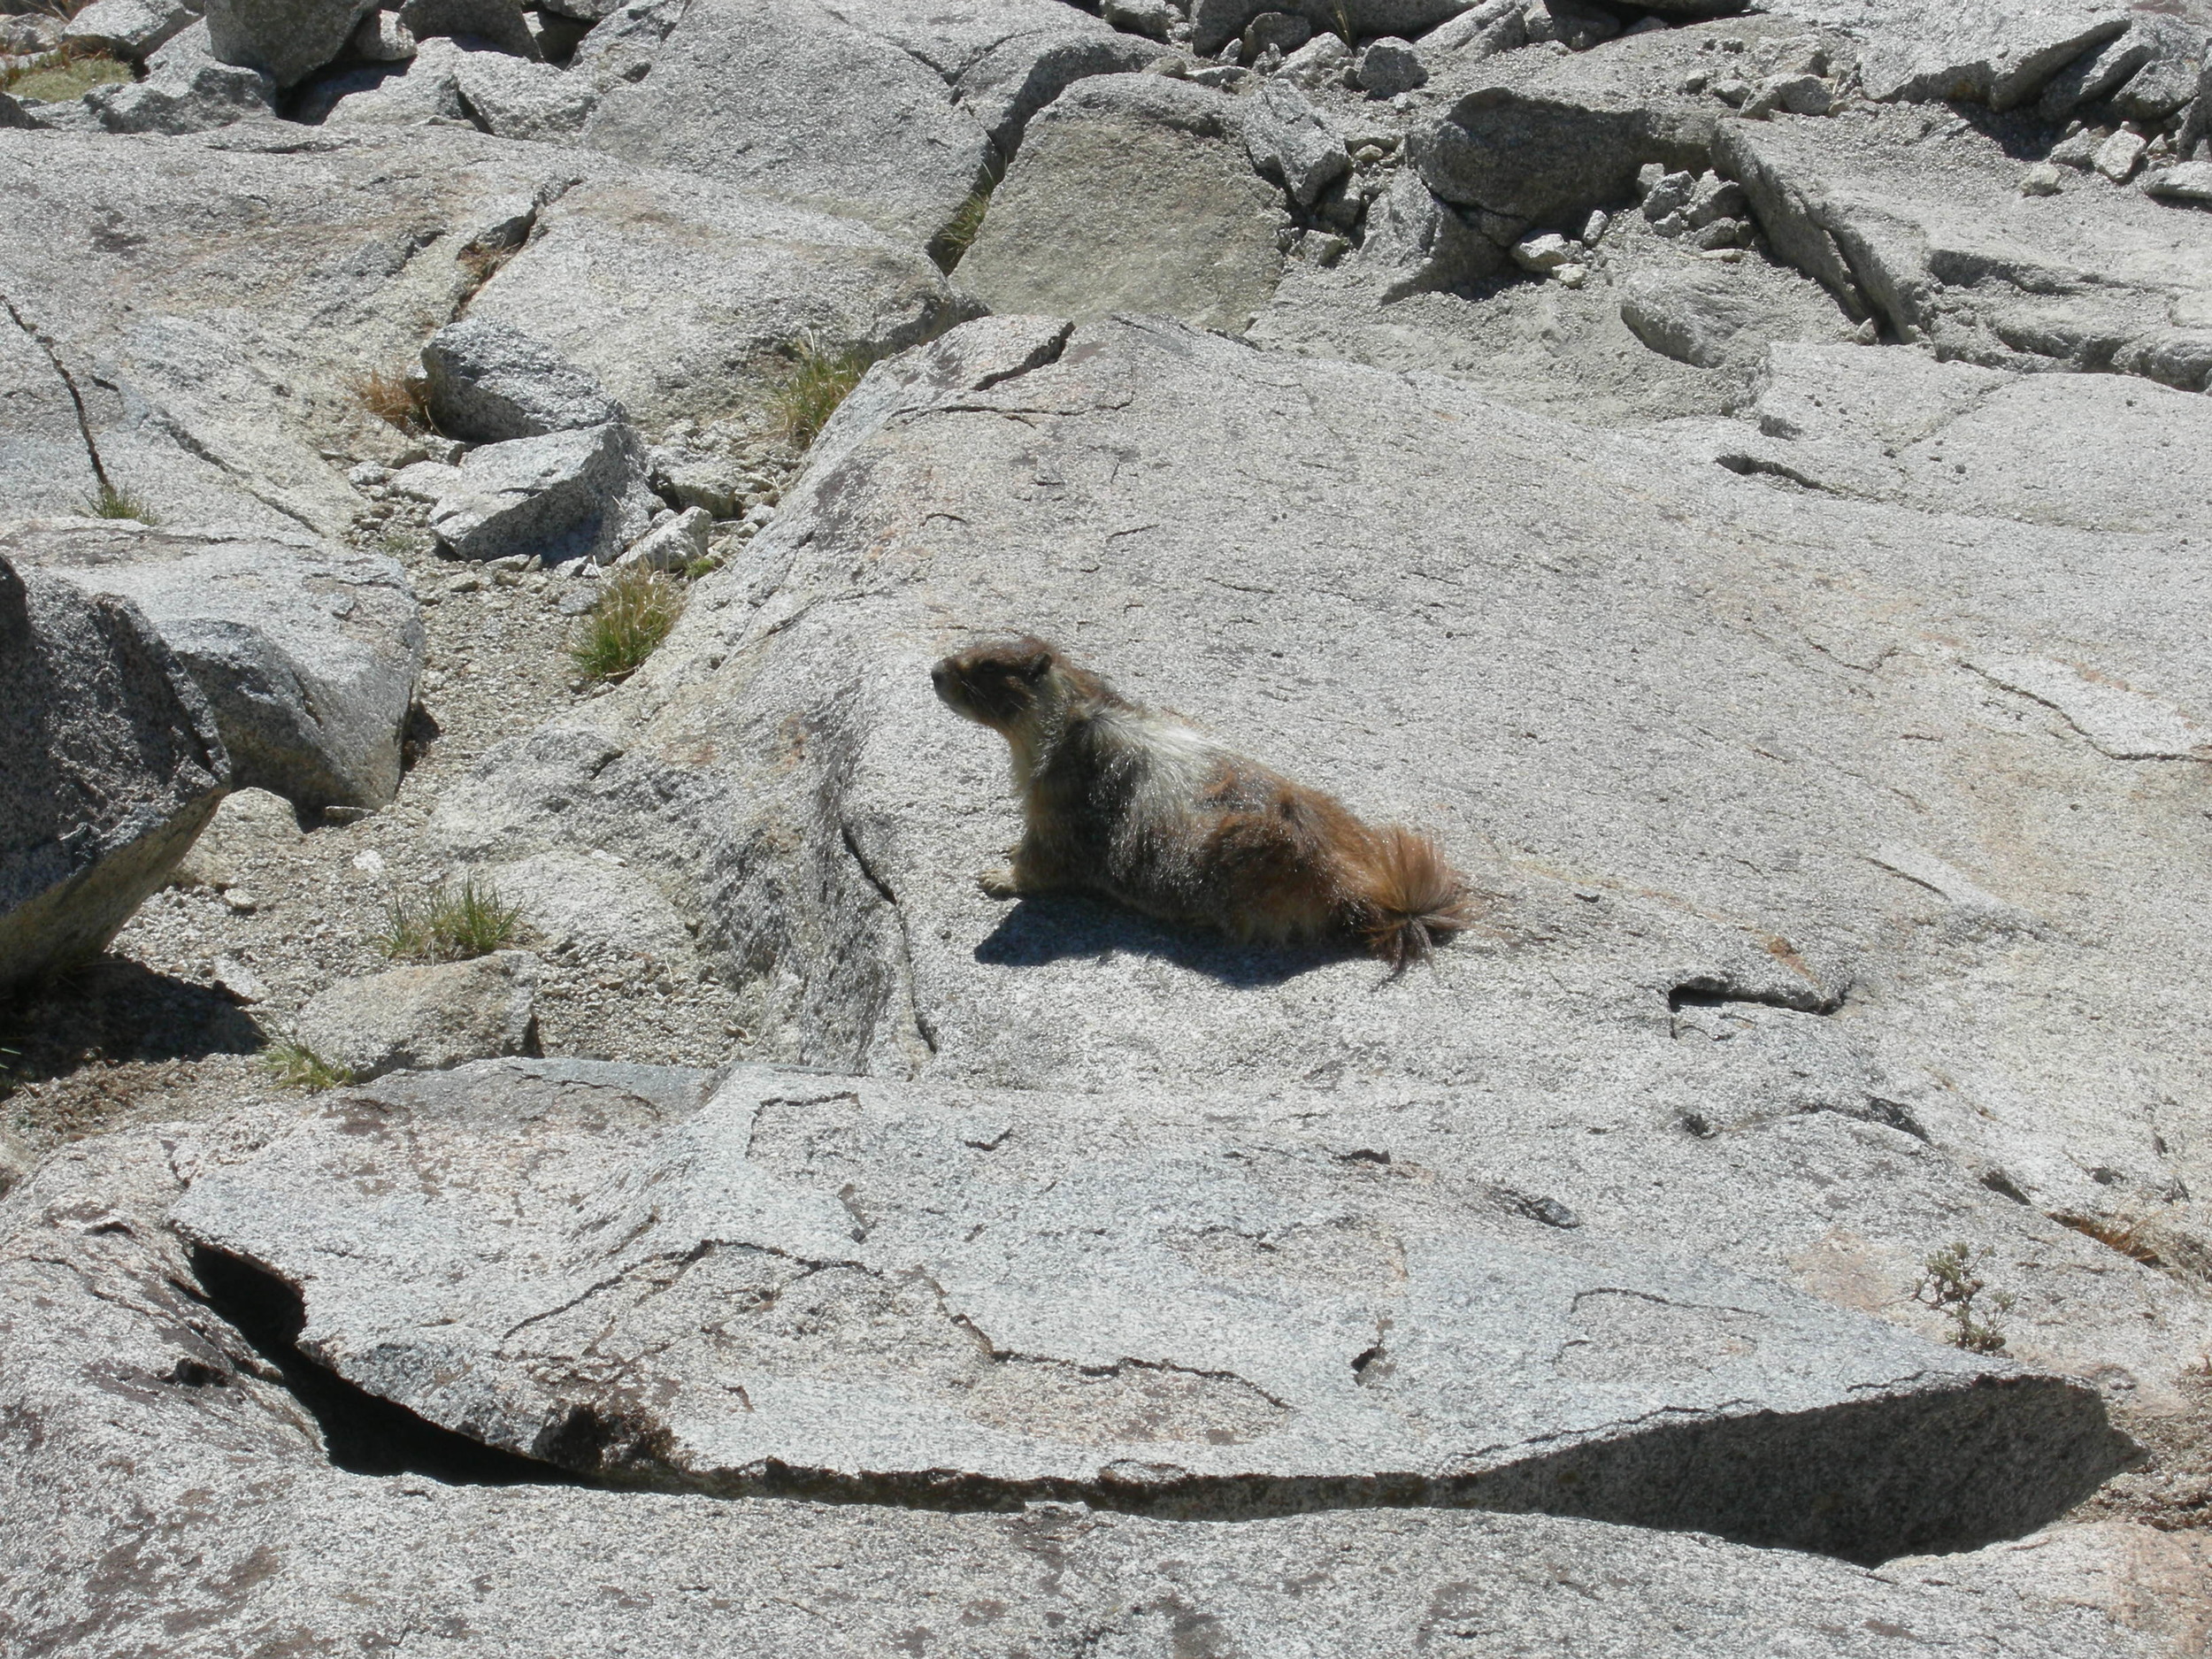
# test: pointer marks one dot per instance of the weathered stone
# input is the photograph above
(1694, 316)
(425, 1019)
(1387, 66)
(1534, 136)
(1416, 243)
(673, 546)
(287, 40)
(1151, 18)
(1132, 192)
(1481, 31)
(497, 24)
(1283, 32)
(112, 766)
(424, 89)
(1290, 141)
(307, 653)
(353, 1522)
(685, 305)
(1324, 61)
(565, 495)
(1215, 23)
(2095, 74)
(1300, 1337)
(1997, 56)
(2190, 181)
(383, 39)
(489, 382)
(187, 89)
(248, 825)
(512, 98)
(128, 28)
(874, 111)
(1957, 256)
(2173, 67)
(1577, 25)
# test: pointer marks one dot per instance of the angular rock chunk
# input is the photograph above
(128, 28)
(685, 306)
(1694, 316)
(187, 89)
(1290, 142)
(1215, 23)
(1417, 244)
(1132, 193)
(512, 98)
(894, 1293)
(497, 24)
(565, 495)
(784, 98)
(127, 1371)
(489, 382)
(307, 653)
(287, 40)
(113, 765)
(426, 1019)
(2000, 57)
(1389, 66)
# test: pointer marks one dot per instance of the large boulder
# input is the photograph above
(685, 304)
(187, 89)
(161, 1412)
(1132, 193)
(1741, 933)
(287, 40)
(903, 1294)
(128, 28)
(307, 653)
(113, 765)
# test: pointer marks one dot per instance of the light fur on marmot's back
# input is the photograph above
(1136, 805)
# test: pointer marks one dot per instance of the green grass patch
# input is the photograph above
(111, 502)
(452, 923)
(291, 1066)
(636, 610)
(63, 76)
(809, 395)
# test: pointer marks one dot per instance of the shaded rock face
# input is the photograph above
(915, 1294)
(307, 654)
(343, 1516)
(113, 765)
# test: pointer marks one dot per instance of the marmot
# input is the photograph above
(1134, 804)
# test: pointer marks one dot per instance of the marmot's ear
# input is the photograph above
(1035, 666)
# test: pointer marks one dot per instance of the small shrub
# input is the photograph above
(949, 244)
(810, 396)
(1951, 1282)
(111, 502)
(62, 76)
(636, 610)
(706, 566)
(294, 1067)
(451, 925)
(393, 399)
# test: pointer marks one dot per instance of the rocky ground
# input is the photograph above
(1733, 475)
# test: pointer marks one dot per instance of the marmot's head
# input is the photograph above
(1001, 685)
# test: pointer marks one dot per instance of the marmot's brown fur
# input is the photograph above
(1136, 805)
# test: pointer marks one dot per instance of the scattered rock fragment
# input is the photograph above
(568, 495)
(490, 381)
(128, 28)
(1387, 67)
(426, 1019)
(187, 89)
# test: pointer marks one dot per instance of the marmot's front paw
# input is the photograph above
(998, 883)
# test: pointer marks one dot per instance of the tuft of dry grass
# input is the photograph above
(393, 399)
(452, 923)
(2127, 1236)
(809, 395)
(636, 610)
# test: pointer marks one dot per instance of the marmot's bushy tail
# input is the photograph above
(1414, 898)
